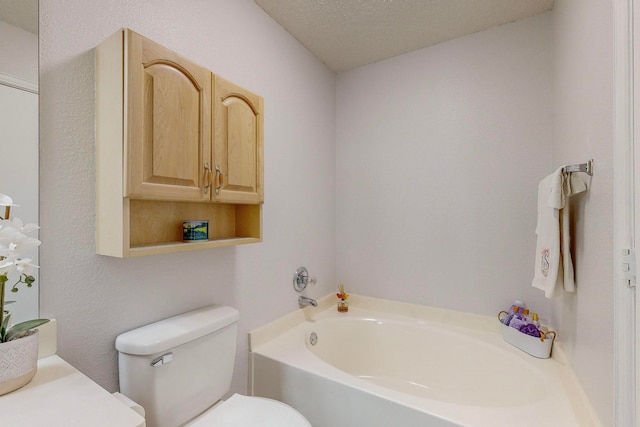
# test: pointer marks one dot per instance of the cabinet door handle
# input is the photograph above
(219, 179)
(208, 178)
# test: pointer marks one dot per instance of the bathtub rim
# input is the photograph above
(272, 330)
(275, 328)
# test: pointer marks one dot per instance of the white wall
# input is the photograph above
(439, 153)
(433, 157)
(438, 157)
(19, 50)
(95, 298)
(583, 129)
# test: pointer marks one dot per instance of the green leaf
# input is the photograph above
(16, 331)
(4, 326)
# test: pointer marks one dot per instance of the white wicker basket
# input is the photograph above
(537, 347)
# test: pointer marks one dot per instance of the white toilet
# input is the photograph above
(179, 368)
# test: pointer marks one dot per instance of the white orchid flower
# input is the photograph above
(6, 224)
(6, 200)
(24, 228)
(8, 230)
(15, 241)
(6, 265)
(15, 245)
(9, 237)
(24, 266)
(21, 246)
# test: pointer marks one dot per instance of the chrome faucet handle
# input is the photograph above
(301, 279)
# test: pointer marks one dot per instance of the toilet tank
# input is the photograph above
(178, 367)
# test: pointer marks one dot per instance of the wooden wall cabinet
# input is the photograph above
(174, 142)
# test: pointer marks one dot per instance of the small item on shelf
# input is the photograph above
(535, 320)
(193, 231)
(517, 320)
(343, 305)
(530, 329)
(516, 304)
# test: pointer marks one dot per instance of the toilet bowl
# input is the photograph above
(245, 411)
(178, 370)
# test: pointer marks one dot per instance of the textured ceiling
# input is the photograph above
(347, 34)
(20, 13)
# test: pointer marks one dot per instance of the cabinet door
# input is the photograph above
(238, 142)
(169, 124)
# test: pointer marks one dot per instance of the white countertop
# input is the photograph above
(61, 396)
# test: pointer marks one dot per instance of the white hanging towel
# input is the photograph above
(553, 266)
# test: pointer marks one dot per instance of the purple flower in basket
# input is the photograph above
(530, 329)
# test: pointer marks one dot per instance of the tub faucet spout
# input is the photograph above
(305, 301)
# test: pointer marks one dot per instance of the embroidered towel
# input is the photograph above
(553, 266)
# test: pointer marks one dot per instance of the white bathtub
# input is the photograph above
(425, 367)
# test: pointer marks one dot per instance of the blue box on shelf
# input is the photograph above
(194, 231)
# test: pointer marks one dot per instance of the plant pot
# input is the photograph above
(18, 362)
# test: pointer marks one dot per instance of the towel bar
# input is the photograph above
(582, 167)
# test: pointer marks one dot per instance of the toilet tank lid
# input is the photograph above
(174, 331)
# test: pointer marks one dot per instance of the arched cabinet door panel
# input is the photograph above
(238, 144)
(169, 123)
